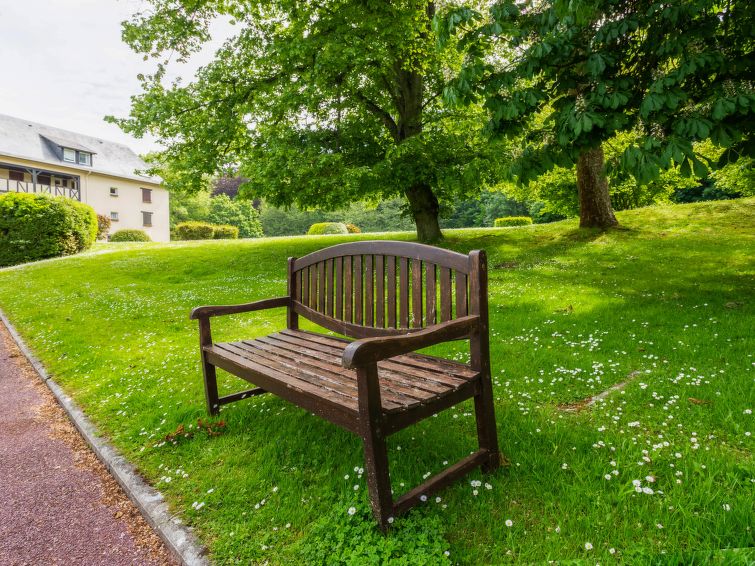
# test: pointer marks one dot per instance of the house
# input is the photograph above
(35, 158)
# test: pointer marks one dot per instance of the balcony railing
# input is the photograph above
(7, 186)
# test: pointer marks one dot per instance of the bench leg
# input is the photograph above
(487, 434)
(375, 448)
(378, 477)
(210, 387)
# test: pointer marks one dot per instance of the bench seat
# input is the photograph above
(293, 363)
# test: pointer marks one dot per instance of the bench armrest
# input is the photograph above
(207, 312)
(370, 350)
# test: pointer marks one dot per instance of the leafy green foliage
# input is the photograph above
(341, 538)
(387, 216)
(194, 231)
(36, 226)
(130, 235)
(327, 228)
(579, 73)
(236, 212)
(512, 221)
(353, 228)
(225, 232)
(342, 103)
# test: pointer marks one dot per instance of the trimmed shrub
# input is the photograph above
(103, 226)
(322, 228)
(195, 231)
(353, 228)
(36, 226)
(130, 235)
(512, 221)
(226, 232)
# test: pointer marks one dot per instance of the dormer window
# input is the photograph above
(71, 155)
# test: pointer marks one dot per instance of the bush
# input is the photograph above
(226, 232)
(512, 221)
(130, 235)
(35, 226)
(353, 228)
(322, 228)
(195, 231)
(103, 226)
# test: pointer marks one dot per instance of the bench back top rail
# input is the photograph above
(378, 288)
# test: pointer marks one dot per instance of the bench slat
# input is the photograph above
(358, 303)
(461, 295)
(379, 291)
(369, 296)
(339, 288)
(417, 321)
(403, 292)
(348, 296)
(391, 301)
(430, 293)
(445, 294)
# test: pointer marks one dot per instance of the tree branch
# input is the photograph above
(384, 116)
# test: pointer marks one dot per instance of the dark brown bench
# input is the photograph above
(394, 298)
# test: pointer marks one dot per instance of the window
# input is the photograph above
(114, 216)
(15, 175)
(113, 191)
(69, 155)
(147, 195)
(84, 158)
(146, 219)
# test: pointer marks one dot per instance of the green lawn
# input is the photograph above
(666, 302)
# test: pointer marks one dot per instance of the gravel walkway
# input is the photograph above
(58, 504)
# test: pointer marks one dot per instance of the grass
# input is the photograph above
(665, 304)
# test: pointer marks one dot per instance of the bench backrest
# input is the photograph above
(378, 288)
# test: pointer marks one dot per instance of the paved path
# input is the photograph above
(58, 504)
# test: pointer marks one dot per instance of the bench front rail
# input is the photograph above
(394, 298)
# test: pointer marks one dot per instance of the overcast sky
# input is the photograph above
(64, 64)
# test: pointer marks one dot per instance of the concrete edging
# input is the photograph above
(179, 539)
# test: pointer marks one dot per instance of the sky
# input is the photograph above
(64, 65)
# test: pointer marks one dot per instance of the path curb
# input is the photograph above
(179, 539)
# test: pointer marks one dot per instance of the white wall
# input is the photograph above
(128, 204)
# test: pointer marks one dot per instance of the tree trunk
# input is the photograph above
(424, 207)
(594, 201)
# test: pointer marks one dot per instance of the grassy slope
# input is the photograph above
(572, 313)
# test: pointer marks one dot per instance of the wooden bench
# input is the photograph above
(394, 298)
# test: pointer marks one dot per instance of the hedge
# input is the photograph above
(512, 221)
(195, 231)
(353, 228)
(130, 235)
(38, 226)
(327, 228)
(225, 232)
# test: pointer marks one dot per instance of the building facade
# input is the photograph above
(35, 158)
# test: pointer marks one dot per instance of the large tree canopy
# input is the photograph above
(582, 71)
(315, 103)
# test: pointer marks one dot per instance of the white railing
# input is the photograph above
(7, 186)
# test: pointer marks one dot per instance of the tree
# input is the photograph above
(574, 73)
(236, 212)
(316, 103)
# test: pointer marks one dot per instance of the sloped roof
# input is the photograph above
(24, 139)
